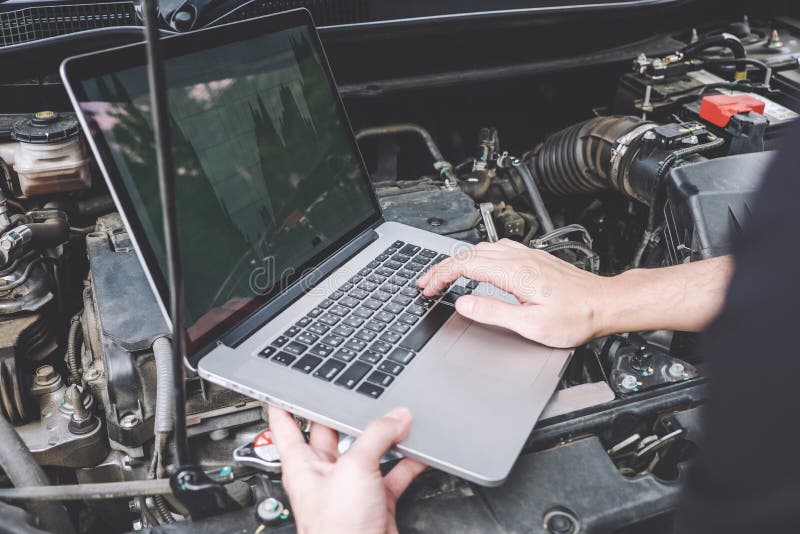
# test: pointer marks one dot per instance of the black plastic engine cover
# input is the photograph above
(708, 204)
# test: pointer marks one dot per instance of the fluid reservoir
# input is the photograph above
(49, 156)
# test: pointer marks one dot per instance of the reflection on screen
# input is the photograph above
(266, 174)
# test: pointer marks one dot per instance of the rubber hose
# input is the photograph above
(577, 159)
(20, 467)
(165, 407)
(51, 233)
(74, 339)
(535, 196)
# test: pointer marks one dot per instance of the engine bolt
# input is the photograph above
(91, 374)
(774, 40)
(629, 383)
(129, 421)
(46, 375)
(676, 370)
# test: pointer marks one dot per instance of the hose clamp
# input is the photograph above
(621, 147)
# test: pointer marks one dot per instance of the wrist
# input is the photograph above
(610, 303)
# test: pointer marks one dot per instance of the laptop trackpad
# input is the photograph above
(498, 353)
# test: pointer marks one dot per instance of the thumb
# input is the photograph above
(379, 436)
(491, 311)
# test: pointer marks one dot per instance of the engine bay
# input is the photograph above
(650, 156)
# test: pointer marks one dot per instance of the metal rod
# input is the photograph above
(169, 209)
(79, 492)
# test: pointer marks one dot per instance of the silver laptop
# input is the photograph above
(297, 292)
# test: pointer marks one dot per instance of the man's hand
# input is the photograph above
(560, 304)
(563, 306)
(348, 494)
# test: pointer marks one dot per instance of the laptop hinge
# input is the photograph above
(261, 317)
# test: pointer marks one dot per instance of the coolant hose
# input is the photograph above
(21, 468)
(165, 409)
(724, 40)
(535, 196)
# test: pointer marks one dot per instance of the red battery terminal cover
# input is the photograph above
(718, 109)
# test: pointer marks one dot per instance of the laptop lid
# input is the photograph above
(270, 181)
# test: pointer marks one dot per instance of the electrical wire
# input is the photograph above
(97, 491)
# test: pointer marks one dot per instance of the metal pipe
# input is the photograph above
(79, 492)
(169, 209)
(440, 164)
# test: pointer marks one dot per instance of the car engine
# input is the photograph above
(650, 158)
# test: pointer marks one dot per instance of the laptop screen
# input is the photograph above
(268, 176)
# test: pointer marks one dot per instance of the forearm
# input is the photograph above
(684, 297)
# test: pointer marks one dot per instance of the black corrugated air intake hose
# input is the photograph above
(581, 158)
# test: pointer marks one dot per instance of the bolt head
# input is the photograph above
(129, 421)
(676, 370)
(629, 382)
(45, 375)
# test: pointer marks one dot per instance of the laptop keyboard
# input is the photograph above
(364, 334)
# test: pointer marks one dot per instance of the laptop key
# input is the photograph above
(391, 367)
(410, 291)
(384, 272)
(366, 335)
(390, 288)
(400, 328)
(333, 340)
(356, 279)
(405, 273)
(409, 250)
(401, 356)
(363, 312)
(329, 370)
(365, 271)
(390, 337)
(401, 258)
(315, 313)
(381, 296)
(307, 363)
(370, 390)
(325, 304)
(381, 379)
(382, 257)
(295, 348)
(353, 321)
(329, 319)
(353, 374)
(376, 279)
(393, 265)
(384, 317)
(372, 304)
(341, 311)
(356, 345)
(381, 347)
(345, 355)
(368, 286)
(419, 311)
(427, 253)
(323, 351)
(318, 328)
(359, 294)
(280, 341)
(283, 358)
(374, 264)
(347, 286)
(398, 280)
(398, 244)
(407, 318)
(440, 258)
(370, 357)
(349, 301)
(472, 284)
(292, 331)
(343, 330)
(393, 307)
(403, 300)
(267, 352)
(416, 267)
(424, 331)
(375, 326)
(303, 322)
(336, 295)
(308, 338)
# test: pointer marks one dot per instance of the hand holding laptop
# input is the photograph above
(347, 494)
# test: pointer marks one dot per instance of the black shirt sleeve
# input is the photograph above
(747, 477)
